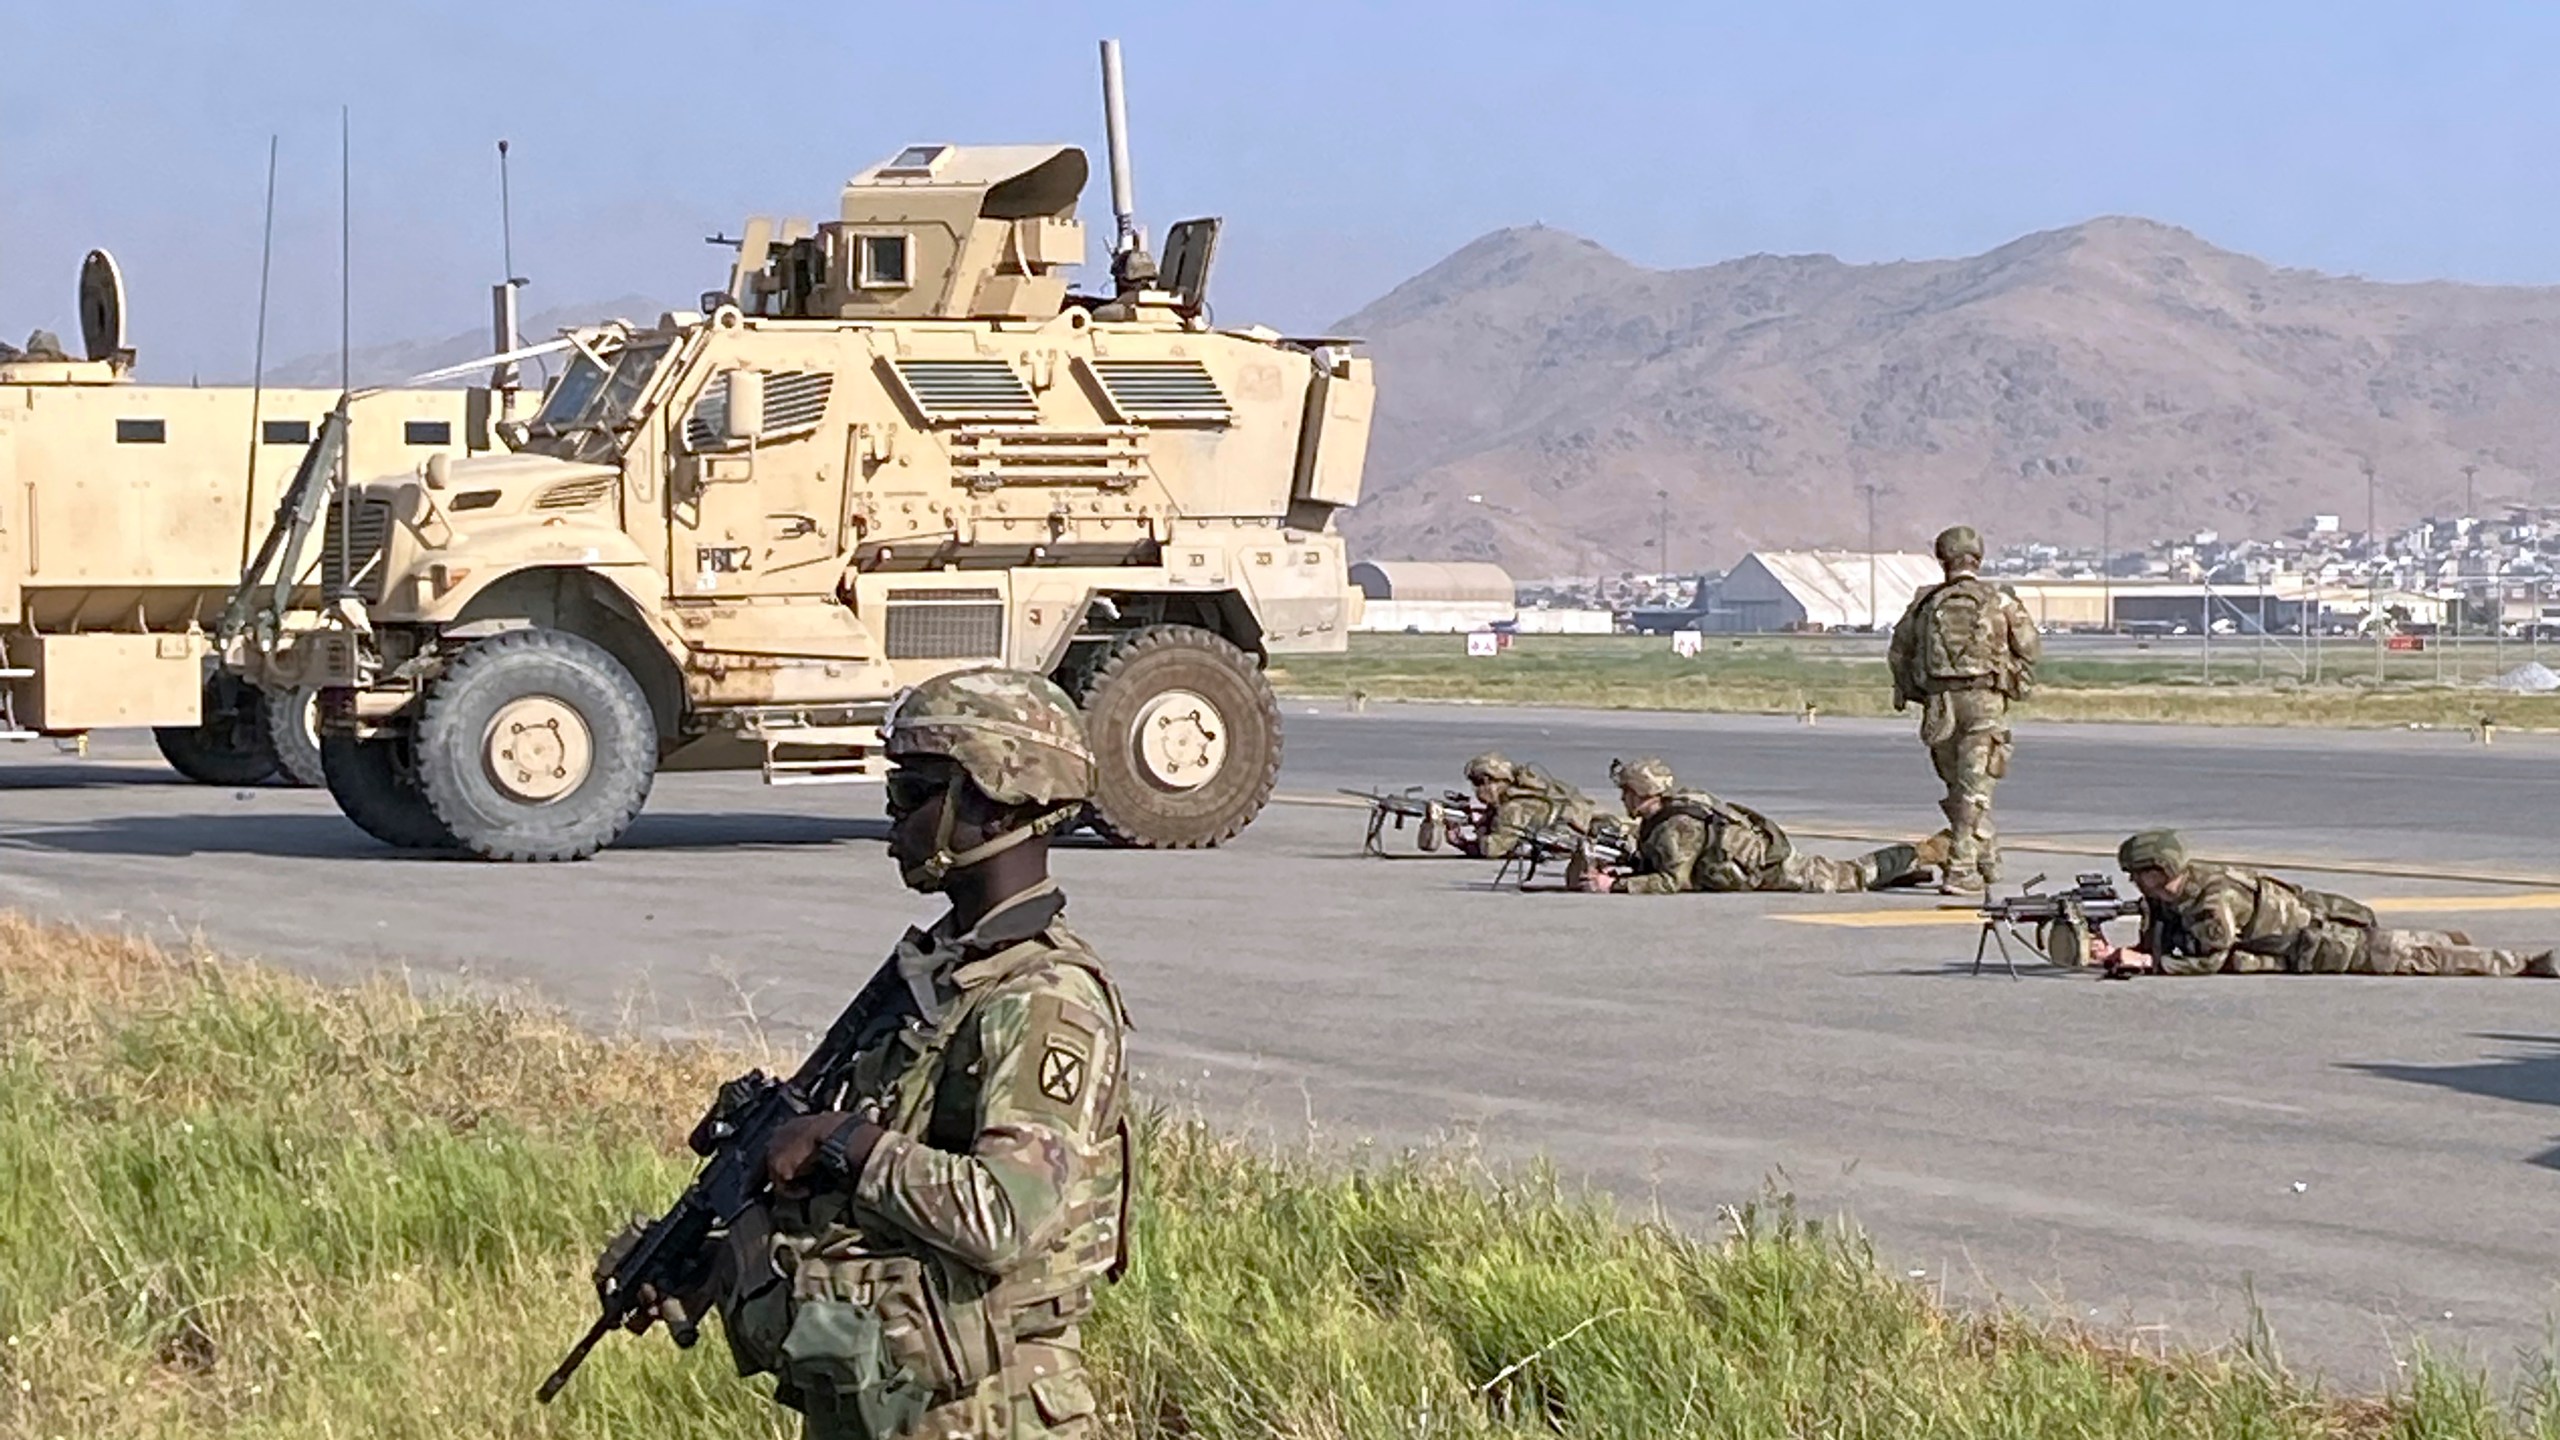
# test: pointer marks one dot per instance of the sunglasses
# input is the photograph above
(910, 790)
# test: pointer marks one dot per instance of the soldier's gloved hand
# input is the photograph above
(653, 1307)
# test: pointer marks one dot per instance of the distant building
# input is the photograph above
(1433, 596)
(1555, 620)
(1775, 590)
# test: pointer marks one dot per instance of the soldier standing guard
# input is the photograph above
(1963, 651)
(931, 1244)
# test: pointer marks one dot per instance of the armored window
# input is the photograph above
(427, 432)
(793, 400)
(142, 432)
(883, 260)
(284, 432)
(915, 161)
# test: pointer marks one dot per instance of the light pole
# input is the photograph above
(1873, 619)
(2106, 551)
(1662, 534)
(2373, 568)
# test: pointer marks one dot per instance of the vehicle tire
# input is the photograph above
(291, 719)
(230, 747)
(536, 745)
(1186, 736)
(375, 783)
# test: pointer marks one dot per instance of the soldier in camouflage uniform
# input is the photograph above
(932, 1242)
(1690, 840)
(1963, 651)
(1519, 800)
(2205, 919)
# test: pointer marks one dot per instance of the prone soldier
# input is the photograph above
(1519, 800)
(935, 1232)
(1690, 840)
(2205, 919)
(1963, 651)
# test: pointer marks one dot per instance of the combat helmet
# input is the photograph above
(2152, 850)
(1491, 766)
(1958, 545)
(1643, 777)
(1017, 737)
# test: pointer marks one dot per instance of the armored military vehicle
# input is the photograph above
(125, 512)
(894, 445)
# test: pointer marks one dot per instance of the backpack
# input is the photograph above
(1963, 634)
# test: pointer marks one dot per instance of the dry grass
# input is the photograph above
(236, 1204)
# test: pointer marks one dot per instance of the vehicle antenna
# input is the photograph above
(346, 345)
(258, 361)
(504, 377)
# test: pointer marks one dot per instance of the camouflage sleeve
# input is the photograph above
(1669, 858)
(1901, 650)
(2026, 647)
(1512, 820)
(1049, 1058)
(2204, 940)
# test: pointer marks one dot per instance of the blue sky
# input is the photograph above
(1348, 145)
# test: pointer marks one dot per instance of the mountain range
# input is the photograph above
(1548, 405)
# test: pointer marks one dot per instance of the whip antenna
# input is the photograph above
(346, 349)
(258, 362)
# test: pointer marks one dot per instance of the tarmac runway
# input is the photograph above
(2369, 1160)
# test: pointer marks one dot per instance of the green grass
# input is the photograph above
(1779, 675)
(239, 1205)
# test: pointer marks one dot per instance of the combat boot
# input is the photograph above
(1963, 872)
(2542, 966)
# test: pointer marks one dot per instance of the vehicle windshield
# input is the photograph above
(589, 398)
(577, 387)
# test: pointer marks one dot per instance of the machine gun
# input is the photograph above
(2059, 924)
(1605, 844)
(1452, 818)
(674, 1253)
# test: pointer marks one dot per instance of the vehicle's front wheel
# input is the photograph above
(291, 719)
(1186, 738)
(375, 783)
(229, 747)
(536, 745)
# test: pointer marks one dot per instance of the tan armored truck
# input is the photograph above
(895, 445)
(126, 511)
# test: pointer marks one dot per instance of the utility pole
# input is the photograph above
(1873, 619)
(2106, 553)
(2470, 505)
(2373, 568)
(1662, 534)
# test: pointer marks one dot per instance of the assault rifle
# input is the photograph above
(2056, 924)
(1449, 818)
(1606, 845)
(675, 1252)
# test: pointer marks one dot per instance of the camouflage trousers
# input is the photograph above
(1044, 1395)
(1822, 875)
(2439, 952)
(1967, 732)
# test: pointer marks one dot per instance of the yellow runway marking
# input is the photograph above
(2387, 905)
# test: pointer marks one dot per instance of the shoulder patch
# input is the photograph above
(1060, 1047)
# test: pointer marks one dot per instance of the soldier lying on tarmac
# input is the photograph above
(1689, 840)
(2205, 919)
(1517, 800)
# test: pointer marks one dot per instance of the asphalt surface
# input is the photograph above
(2371, 1160)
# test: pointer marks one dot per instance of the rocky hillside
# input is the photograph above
(1543, 400)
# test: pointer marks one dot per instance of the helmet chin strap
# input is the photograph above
(929, 875)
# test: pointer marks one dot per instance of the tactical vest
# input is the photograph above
(1964, 635)
(2288, 923)
(891, 1324)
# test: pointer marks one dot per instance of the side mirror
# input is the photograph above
(743, 418)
